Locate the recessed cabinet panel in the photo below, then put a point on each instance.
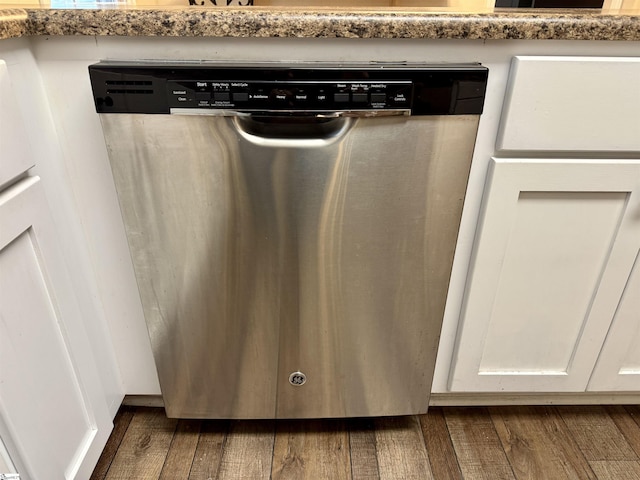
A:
(553, 253)
(572, 104)
(618, 367)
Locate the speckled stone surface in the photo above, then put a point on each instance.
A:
(13, 23)
(278, 22)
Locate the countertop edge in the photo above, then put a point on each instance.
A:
(319, 23)
(13, 23)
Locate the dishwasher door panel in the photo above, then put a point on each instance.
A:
(256, 260)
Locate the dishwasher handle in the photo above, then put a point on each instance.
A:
(292, 131)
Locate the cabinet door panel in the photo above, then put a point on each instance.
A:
(553, 252)
(49, 410)
(579, 104)
(550, 269)
(618, 367)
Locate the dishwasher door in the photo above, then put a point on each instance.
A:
(292, 227)
(256, 260)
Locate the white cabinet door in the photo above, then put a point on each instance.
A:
(618, 367)
(50, 400)
(554, 249)
(578, 104)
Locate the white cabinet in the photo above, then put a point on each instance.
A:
(551, 299)
(554, 251)
(54, 416)
(50, 398)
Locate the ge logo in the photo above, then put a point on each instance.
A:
(297, 379)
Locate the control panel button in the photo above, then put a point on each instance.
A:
(400, 99)
(378, 97)
(280, 95)
(240, 96)
(203, 96)
(360, 97)
(340, 97)
(221, 96)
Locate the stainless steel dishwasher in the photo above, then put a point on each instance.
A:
(292, 227)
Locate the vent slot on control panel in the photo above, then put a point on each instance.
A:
(111, 91)
(128, 83)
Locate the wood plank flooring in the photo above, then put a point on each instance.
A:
(448, 443)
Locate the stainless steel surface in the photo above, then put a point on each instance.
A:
(261, 255)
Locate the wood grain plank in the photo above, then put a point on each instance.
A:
(144, 447)
(596, 434)
(478, 448)
(362, 449)
(311, 450)
(617, 470)
(248, 451)
(182, 450)
(206, 460)
(442, 456)
(627, 425)
(120, 425)
(538, 444)
(634, 413)
(400, 449)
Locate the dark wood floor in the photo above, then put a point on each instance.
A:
(447, 443)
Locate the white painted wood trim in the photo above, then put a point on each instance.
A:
(14, 147)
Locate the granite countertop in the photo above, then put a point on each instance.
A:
(322, 22)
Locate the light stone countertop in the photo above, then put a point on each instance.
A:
(331, 22)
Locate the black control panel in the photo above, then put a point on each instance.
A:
(156, 88)
(280, 95)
